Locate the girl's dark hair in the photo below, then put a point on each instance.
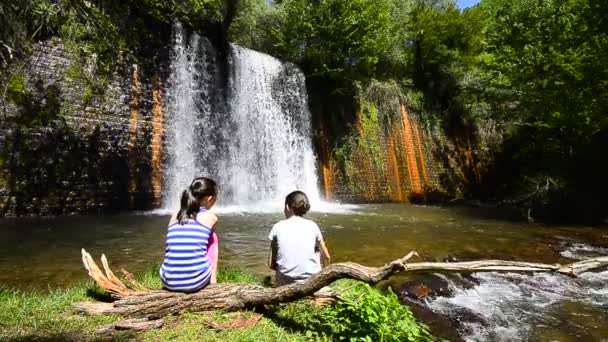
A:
(297, 201)
(191, 196)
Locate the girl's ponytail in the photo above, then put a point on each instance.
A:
(191, 196)
(188, 205)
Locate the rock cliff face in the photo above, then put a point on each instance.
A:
(72, 143)
(388, 154)
(410, 163)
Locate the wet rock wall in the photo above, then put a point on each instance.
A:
(405, 160)
(74, 142)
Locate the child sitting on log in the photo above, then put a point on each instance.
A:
(297, 246)
(191, 255)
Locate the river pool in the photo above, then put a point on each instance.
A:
(41, 253)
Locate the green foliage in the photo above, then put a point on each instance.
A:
(542, 74)
(233, 274)
(387, 97)
(16, 91)
(553, 57)
(343, 157)
(334, 39)
(22, 20)
(370, 138)
(189, 11)
(441, 39)
(88, 95)
(364, 314)
(253, 24)
(102, 31)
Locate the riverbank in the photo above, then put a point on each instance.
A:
(37, 316)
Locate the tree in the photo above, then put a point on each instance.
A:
(441, 38)
(334, 37)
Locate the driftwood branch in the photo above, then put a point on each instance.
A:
(138, 302)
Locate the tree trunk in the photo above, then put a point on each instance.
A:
(155, 304)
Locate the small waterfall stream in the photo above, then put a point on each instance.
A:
(529, 307)
(253, 138)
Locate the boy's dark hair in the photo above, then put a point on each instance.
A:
(297, 201)
(199, 188)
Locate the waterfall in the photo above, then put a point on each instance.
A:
(253, 138)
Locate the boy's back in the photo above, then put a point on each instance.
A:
(297, 248)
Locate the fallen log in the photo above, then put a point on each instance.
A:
(138, 302)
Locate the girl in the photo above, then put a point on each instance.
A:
(191, 255)
(296, 243)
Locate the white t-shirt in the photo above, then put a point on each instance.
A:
(297, 252)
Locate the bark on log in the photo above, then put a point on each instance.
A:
(154, 304)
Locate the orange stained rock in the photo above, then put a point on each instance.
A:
(366, 164)
(417, 135)
(397, 194)
(157, 141)
(360, 124)
(325, 163)
(410, 152)
(422, 291)
(133, 126)
(365, 177)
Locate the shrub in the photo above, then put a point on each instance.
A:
(363, 314)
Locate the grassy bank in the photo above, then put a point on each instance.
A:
(365, 315)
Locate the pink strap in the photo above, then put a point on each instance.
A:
(213, 253)
(213, 248)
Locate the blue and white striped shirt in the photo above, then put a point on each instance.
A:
(186, 266)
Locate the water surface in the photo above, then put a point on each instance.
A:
(39, 253)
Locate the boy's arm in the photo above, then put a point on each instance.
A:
(325, 258)
(272, 260)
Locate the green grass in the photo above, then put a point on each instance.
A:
(192, 327)
(37, 315)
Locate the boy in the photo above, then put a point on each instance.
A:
(296, 243)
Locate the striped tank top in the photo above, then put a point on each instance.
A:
(186, 266)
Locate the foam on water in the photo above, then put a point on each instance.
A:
(512, 305)
(580, 251)
(275, 207)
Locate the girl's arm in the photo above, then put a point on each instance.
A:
(210, 220)
(325, 258)
(213, 253)
(173, 219)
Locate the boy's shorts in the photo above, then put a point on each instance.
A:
(281, 279)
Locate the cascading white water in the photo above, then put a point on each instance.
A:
(272, 152)
(517, 307)
(192, 102)
(253, 138)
